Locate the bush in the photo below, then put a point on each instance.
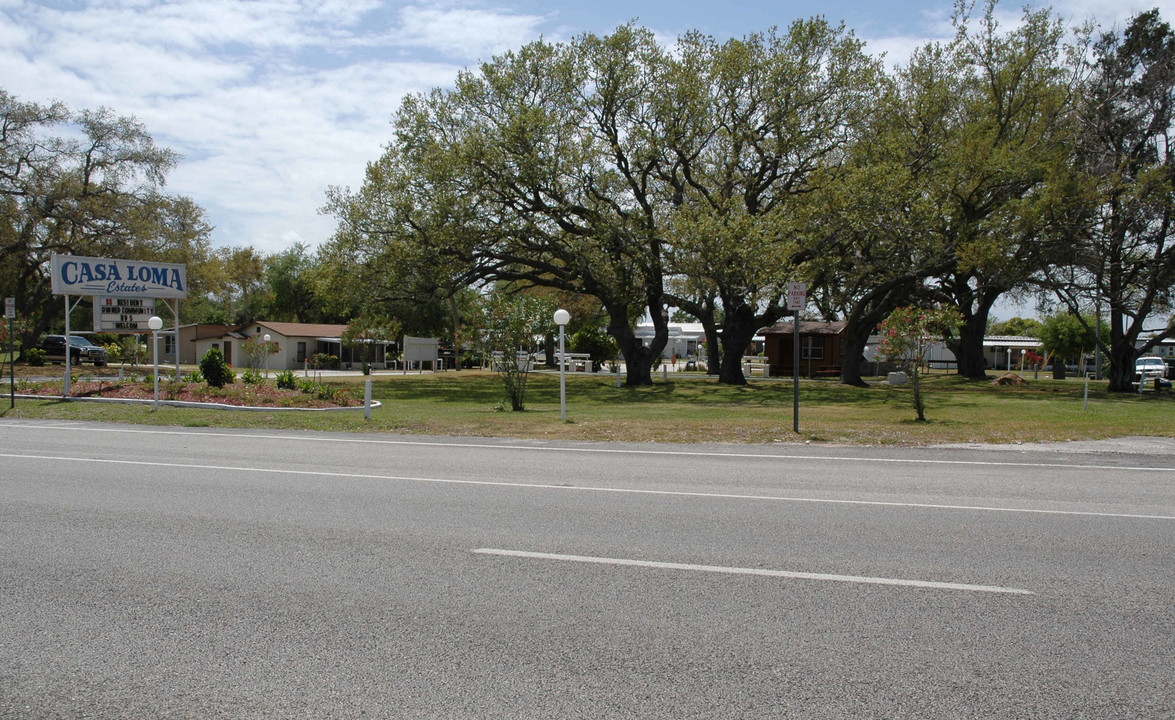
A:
(324, 361)
(215, 370)
(599, 345)
(35, 356)
(252, 377)
(286, 380)
(194, 377)
(307, 387)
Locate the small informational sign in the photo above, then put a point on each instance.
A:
(797, 296)
(122, 314)
(10, 308)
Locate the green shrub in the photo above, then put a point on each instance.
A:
(325, 361)
(194, 377)
(35, 356)
(252, 377)
(308, 387)
(215, 370)
(286, 380)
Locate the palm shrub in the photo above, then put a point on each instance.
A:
(286, 380)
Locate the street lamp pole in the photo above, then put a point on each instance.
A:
(155, 323)
(562, 317)
(266, 339)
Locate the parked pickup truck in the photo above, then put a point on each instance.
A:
(80, 350)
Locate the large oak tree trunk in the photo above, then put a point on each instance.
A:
(638, 359)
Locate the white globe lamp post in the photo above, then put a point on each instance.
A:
(266, 339)
(155, 324)
(562, 317)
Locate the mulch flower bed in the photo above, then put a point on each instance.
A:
(238, 394)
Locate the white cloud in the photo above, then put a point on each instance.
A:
(464, 32)
(269, 102)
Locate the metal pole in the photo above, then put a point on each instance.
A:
(1097, 340)
(562, 379)
(795, 373)
(367, 399)
(155, 353)
(11, 366)
(175, 340)
(68, 355)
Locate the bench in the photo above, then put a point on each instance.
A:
(575, 362)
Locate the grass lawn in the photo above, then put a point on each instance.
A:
(691, 409)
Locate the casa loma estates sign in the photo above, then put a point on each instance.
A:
(77, 275)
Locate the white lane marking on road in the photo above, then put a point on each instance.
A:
(599, 450)
(595, 489)
(864, 580)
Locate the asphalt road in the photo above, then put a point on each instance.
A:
(199, 573)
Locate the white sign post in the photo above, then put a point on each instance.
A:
(797, 299)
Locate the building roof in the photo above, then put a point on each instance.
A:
(1011, 341)
(807, 327)
(203, 331)
(289, 329)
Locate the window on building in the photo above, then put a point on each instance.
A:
(169, 345)
(812, 347)
(301, 352)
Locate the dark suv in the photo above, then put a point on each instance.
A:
(80, 350)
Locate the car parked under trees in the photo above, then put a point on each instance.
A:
(80, 350)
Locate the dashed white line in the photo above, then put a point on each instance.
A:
(857, 579)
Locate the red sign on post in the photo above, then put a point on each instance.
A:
(797, 296)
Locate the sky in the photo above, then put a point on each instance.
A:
(270, 102)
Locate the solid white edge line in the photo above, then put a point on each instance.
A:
(857, 579)
(602, 450)
(590, 488)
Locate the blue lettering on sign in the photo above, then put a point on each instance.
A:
(74, 274)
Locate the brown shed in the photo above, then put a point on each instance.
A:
(821, 348)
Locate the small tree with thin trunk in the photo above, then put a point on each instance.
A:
(510, 327)
(906, 335)
(257, 349)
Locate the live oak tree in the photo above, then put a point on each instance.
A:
(1119, 249)
(86, 183)
(865, 242)
(755, 127)
(541, 168)
(1003, 137)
